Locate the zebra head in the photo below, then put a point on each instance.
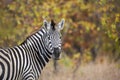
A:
(53, 37)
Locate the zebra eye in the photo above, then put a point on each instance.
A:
(60, 36)
(49, 37)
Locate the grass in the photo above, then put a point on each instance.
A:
(91, 71)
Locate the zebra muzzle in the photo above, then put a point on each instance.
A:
(56, 53)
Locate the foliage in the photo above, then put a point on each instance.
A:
(91, 26)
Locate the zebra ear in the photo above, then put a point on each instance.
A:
(46, 24)
(61, 24)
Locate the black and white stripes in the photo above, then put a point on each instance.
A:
(25, 61)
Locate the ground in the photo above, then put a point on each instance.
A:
(91, 71)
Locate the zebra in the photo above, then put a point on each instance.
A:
(26, 60)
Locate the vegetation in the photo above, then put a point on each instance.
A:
(92, 27)
(98, 71)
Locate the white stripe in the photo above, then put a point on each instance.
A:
(6, 68)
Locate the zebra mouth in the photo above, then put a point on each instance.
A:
(56, 53)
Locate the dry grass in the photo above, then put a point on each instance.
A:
(98, 71)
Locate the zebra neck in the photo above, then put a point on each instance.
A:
(39, 52)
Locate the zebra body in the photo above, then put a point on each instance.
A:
(25, 61)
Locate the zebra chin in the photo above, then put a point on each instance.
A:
(56, 53)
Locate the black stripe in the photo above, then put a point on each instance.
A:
(19, 60)
(26, 76)
(23, 58)
(8, 66)
(3, 70)
(14, 55)
(27, 60)
(13, 65)
(46, 59)
(5, 53)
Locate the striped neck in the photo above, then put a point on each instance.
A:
(40, 53)
(37, 44)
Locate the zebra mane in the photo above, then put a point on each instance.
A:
(24, 40)
(32, 33)
(52, 25)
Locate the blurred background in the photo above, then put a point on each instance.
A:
(91, 35)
